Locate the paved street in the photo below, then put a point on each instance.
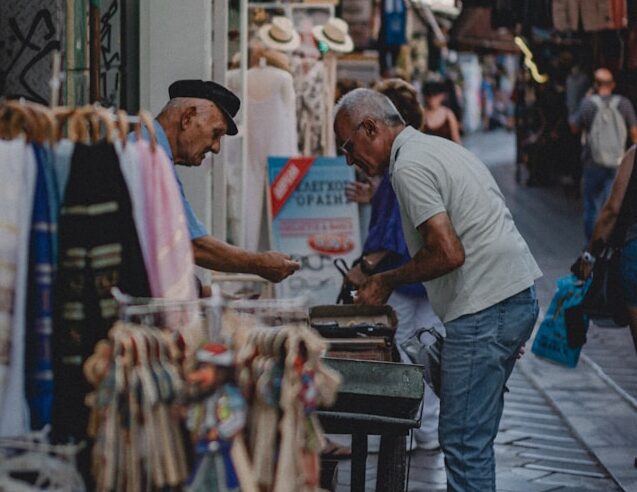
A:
(562, 429)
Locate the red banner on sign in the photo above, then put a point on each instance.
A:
(287, 180)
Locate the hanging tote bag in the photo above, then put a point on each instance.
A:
(604, 301)
(552, 338)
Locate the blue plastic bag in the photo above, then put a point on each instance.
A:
(551, 338)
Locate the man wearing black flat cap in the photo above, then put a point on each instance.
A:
(191, 124)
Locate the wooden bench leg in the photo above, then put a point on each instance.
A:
(359, 462)
(391, 464)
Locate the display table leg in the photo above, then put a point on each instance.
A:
(391, 464)
(359, 462)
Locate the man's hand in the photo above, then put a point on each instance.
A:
(356, 277)
(276, 267)
(582, 269)
(359, 192)
(521, 352)
(373, 292)
(218, 255)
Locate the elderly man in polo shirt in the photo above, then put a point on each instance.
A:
(477, 268)
(192, 123)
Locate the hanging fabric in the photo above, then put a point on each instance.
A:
(310, 85)
(99, 249)
(39, 369)
(392, 33)
(618, 14)
(17, 182)
(594, 15)
(170, 259)
(271, 99)
(631, 12)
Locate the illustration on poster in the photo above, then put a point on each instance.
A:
(331, 244)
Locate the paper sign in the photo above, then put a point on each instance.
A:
(314, 223)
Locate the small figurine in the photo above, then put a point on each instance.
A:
(217, 424)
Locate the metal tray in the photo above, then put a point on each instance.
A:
(387, 389)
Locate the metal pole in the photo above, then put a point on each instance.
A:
(94, 52)
(219, 71)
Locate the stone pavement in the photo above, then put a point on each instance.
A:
(562, 429)
(535, 452)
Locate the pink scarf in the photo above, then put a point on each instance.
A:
(169, 262)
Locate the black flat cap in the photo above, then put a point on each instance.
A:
(225, 99)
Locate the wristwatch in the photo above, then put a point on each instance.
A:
(588, 258)
(366, 266)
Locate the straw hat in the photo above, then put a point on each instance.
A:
(280, 34)
(335, 34)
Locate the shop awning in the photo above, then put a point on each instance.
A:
(472, 32)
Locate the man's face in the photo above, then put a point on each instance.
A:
(364, 144)
(604, 81)
(202, 127)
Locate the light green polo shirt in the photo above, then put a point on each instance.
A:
(431, 175)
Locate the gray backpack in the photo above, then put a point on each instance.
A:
(607, 136)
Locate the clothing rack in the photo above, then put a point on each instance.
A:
(130, 307)
(84, 123)
(277, 310)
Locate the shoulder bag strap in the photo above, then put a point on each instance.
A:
(618, 235)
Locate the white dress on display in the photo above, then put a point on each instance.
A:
(271, 131)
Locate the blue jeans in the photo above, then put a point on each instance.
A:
(478, 355)
(598, 181)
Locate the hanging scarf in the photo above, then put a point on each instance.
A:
(170, 260)
(99, 249)
(39, 369)
(17, 179)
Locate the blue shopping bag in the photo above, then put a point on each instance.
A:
(551, 341)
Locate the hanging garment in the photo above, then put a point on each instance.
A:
(129, 164)
(271, 131)
(330, 60)
(618, 14)
(392, 33)
(532, 13)
(39, 368)
(17, 181)
(506, 13)
(314, 104)
(631, 44)
(99, 249)
(62, 156)
(595, 14)
(632, 13)
(56, 167)
(393, 25)
(170, 260)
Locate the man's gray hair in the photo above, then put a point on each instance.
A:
(366, 103)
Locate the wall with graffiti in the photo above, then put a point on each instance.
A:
(111, 52)
(29, 33)
(31, 30)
